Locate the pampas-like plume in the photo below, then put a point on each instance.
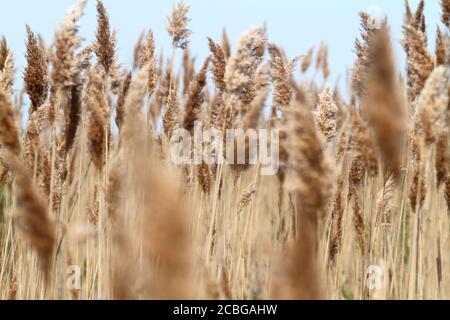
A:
(313, 187)
(307, 60)
(419, 60)
(432, 105)
(242, 66)
(32, 217)
(281, 74)
(120, 111)
(105, 44)
(65, 67)
(384, 204)
(177, 26)
(7, 75)
(98, 121)
(362, 64)
(219, 63)
(441, 51)
(362, 143)
(445, 4)
(36, 72)
(9, 130)
(442, 158)
(322, 60)
(171, 114)
(383, 102)
(4, 52)
(195, 98)
(327, 113)
(148, 59)
(336, 220)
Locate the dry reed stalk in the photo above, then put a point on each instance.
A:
(36, 72)
(177, 26)
(384, 104)
(105, 44)
(32, 218)
(355, 180)
(9, 130)
(313, 185)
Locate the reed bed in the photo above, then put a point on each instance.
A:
(94, 208)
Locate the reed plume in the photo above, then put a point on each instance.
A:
(195, 98)
(432, 105)
(36, 72)
(7, 74)
(9, 129)
(219, 62)
(120, 111)
(327, 113)
(383, 103)
(65, 67)
(148, 59)
(177, 26)
(419, 61)
(105, 44)
(97, 106)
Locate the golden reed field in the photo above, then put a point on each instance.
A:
(94, 207)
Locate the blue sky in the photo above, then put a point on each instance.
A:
(295, 25)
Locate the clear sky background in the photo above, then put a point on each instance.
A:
(295, 25)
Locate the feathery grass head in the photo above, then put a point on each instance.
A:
(65, 67)
(241, 67)
(148, 59)
(9, 130)
(219, 62)
(105, 43)
(445, 4)
(327, 114)
(281, 74)
(383, 102)
(420, 62)
(432, 105)
(195, 98)
(7, 75)
(36, 71)
(4, 52)
(177, 26)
